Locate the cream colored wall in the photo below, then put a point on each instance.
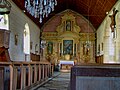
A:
(111, 47)
(117, 41)
(17, 25)
(100, 38)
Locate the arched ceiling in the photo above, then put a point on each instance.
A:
(94, 10)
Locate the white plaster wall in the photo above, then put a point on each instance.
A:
(100, 36)
(17, 25)
(118, 33)
(112, 45)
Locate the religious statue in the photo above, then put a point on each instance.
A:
(68, 25)
(113, 22)
(50, 48)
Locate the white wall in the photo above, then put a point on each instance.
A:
(17, 25)
(111, 50)
(100, 36)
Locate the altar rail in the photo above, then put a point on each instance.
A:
(95, 77)
(23, 75)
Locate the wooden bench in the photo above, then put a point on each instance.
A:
(95, 77)
(23, 75)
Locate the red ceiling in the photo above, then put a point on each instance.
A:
(94, 10)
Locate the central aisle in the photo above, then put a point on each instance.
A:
(60, 82)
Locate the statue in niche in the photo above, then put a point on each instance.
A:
(50, 48)
(68, 25)
(86, 52)
(87, 49)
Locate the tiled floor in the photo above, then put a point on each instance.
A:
(60, 82)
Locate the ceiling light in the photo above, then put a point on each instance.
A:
(107, 13)
(40, 8)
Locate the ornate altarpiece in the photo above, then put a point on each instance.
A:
(68, 35)
(68, 42)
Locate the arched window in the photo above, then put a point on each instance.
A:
(26, 39)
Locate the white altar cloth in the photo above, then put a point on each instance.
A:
(66, 62)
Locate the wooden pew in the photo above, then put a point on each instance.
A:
(95, 77)
(23, 75)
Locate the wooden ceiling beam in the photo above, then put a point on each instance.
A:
(95, 10)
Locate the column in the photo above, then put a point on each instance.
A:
(106, 41)
(117, 48)
(92, 55)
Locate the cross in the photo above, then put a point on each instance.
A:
(113, 22)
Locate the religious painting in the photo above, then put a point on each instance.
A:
(50, 48)
(31, 44)
(68, 25)
(102, 46)
(68, 47)
(4, 22)
(16, 39)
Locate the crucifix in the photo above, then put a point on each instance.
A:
(113, 21)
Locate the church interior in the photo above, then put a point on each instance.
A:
(39, 37)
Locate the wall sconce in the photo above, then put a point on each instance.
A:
(5, 7)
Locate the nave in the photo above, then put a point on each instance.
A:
(84, 34)
(60, 81)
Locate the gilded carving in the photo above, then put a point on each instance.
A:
(86, 36)
(77, 49)
(68, 24)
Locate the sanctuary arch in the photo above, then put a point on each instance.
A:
(68, 44)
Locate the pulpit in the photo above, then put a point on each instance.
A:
(4, 45)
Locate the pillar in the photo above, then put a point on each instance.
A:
(107, 41)
(117, 48)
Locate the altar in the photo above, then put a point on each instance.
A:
(65, 64)
(71, 45)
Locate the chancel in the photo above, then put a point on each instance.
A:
(59, 44)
